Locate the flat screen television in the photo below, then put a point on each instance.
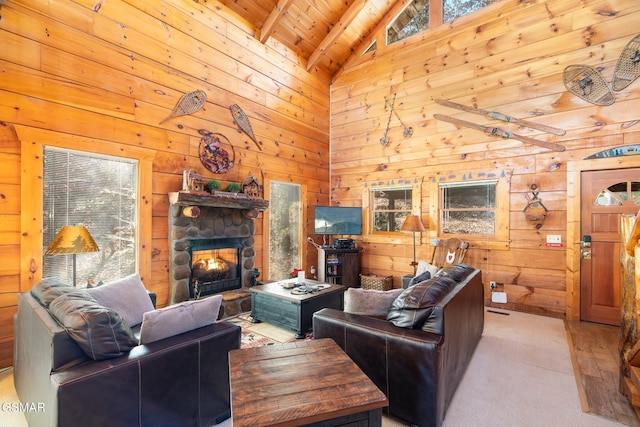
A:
(337, 220)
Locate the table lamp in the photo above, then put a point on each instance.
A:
(413, 224)
(72, 240)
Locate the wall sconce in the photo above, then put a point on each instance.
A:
(413, 224)
(72, 240)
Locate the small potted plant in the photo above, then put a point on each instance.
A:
(212, 186)
(234, 187)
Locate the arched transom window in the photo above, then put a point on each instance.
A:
(621, 193)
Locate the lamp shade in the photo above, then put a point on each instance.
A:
(72, 239)
(412, 223)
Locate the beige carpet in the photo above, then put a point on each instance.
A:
(520, 375)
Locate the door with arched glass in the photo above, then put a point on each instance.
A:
(606, 196)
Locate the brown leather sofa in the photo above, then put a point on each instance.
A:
(181, 380)
(417, 368)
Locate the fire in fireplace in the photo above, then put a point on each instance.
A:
(215, 268)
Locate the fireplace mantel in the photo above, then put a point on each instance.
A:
(220, 200)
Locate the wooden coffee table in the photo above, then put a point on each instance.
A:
(272, 303)
(301, 383)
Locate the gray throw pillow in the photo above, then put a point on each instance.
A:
(179, 318)
(99, 331)
(369, 302)
(126, 296)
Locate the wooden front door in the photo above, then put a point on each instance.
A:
(606, 195)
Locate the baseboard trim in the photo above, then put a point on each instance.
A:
(584, 403)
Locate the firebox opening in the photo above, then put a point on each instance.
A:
(215, 268)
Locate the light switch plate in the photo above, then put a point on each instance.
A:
(554, 238)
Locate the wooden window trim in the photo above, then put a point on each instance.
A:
(500, 240)
(268, 178)
(32, 159)
(391, 237)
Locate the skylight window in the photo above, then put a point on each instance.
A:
(371, 48)
(452, 9)
(413, 20)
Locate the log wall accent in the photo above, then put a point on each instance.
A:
(88, 73)
(508, 57)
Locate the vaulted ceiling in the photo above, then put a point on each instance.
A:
(325, 33)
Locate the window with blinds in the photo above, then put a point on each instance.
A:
(99, 192)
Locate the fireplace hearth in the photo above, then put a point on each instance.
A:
(211, 252)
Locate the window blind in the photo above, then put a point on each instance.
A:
(96, 191)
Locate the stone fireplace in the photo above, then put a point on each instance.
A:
(211, 244)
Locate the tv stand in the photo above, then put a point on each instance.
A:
(339, 266)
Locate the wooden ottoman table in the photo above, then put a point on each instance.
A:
(303, 383)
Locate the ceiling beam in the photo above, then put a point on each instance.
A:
(281, 9)
(379, 30)
(345, 20)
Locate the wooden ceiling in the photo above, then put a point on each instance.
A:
(323, 32)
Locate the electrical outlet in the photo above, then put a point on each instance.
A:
(554, 238)
(493, 284)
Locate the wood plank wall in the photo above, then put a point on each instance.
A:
(108, 72)
(508, 57)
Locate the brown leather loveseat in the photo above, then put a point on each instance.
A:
(182, 379)
(419, 365)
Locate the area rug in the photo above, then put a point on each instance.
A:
(259, 334)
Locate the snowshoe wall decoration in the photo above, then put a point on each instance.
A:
(588, 83)
(628, 66)
(189, 103)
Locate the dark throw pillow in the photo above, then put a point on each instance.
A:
(99, 331)
(456, 271)
(415, 304)
(48, 289)
(420, 278)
